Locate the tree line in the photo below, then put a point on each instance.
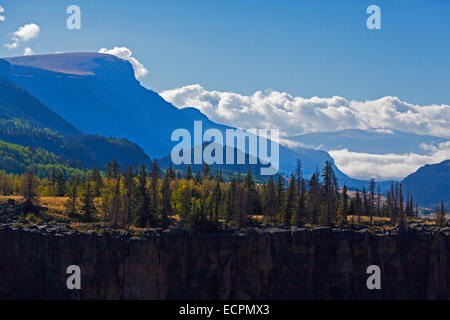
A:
(203, 201)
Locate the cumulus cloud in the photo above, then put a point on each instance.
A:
(2, 11)
(388, 166)
(28, 51)
(23, 34)
(296, 115)
(126, 54)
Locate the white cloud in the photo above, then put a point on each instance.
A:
(28, 51)
(12, 45)
(388, 166)
(2, 17)
(23, 34)
(126, 54)
(296, 115)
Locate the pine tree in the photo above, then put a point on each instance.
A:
(314, 198)
(269, 206)
(250, 195)
(216, 202)
(343, 207)
(239, 217)
(166, 206)
(116, 211)
(299, 219)
(206, 171)
(358, 205)
(299, 177)
(60, 184)
(129, 190)
(401, 213)
(279, 193)
(366, 206)
(289, 205)
(154, 201)
(330, 190)
(189, 173)
(143, 199)
(198, 177)
(378, 202)
(440, 217)
(88, 208)
(96, 178)
(372, 187)
(71, 205)
(170, 172)
(29, 184)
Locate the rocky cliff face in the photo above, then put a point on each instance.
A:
(320, 263)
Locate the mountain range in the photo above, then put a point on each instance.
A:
(88, 108)
(368, 141)
(99, 94)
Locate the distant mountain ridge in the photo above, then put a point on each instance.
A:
(430, 184)
(368, 141)
(99, 94)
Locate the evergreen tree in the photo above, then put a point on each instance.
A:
(269, 206)
(299, 177)
(279, 192)
(371, 210)
(330, 194)
(166, 206)
(314, 198)
(71, 205)
(129, 190)
(143, 200)
(343, 208)
(60, 184)
(198, 177)
(440, 216)
(289, 205)
(170, 172)
(216, 202)
(116, 212)
(154, 205)
(96, 178)
(28, 187)
(300, 216)
(358, 205)
(88, 208)
(189, 173)
(206, 171)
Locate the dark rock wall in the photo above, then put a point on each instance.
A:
(321, 263)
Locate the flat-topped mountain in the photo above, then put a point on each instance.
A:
(98, 93)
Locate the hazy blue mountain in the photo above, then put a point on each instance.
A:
(16, 103)
(430, 184)
(98, 93)
(25, 121)
(368, 141)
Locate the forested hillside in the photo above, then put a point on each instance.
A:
(25, 121)
(430, 184)
(17, 159)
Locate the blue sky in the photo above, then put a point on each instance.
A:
(306, 48)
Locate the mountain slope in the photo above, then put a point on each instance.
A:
(16, 103)
(25, 121)
(430, 184)
(16, 159)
